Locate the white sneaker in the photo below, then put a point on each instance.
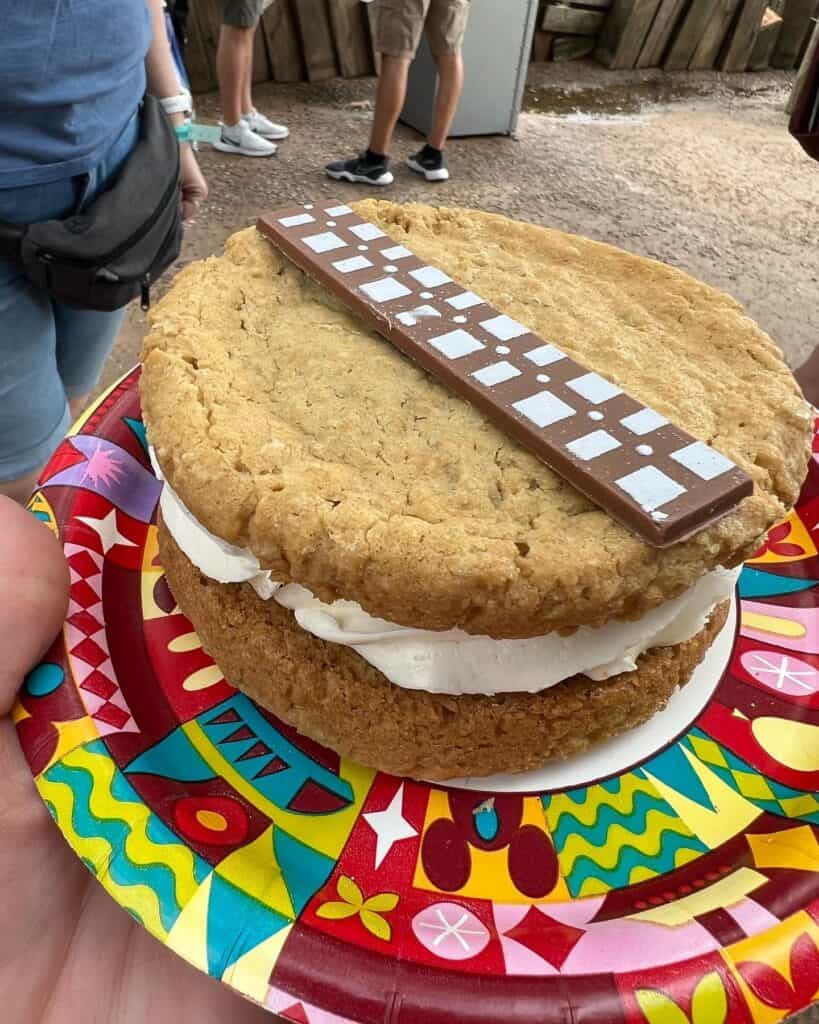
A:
(264, 126)
(241, 139)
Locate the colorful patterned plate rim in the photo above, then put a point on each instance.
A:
(683, 889)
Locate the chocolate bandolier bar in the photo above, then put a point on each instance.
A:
(657, 480)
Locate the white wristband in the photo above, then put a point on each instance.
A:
(182, 103)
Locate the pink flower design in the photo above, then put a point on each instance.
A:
(781, 672)
(102, 467)
(450, 931)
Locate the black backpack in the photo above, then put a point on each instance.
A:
(122, 241)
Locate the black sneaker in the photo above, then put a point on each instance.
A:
(362, 170)
(429, 162)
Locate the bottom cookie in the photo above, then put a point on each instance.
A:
(332, 695)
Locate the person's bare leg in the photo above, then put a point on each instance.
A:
(231, 69)
(450, 84)
(78, 405)
(247, 81)
(20, 490)
(389, 99)
(807, 377)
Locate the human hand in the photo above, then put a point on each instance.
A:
(68, 954)
(194, 186)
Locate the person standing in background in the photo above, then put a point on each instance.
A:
(245, 131)
(179, 11)
(399, 25)
(72, 77)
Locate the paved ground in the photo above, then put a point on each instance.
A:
(695, 169)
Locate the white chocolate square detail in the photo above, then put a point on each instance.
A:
(643, 422)
(353, 263)
(466, 300)
(386, 289)
(412, 316)
(366, 232)
(456, 344)
(592, 445)
(325, 242)
(504, 327)
(297, 220)
(650, 487)
(396, 252)
(544, 355)
(338, 211)
(702, 460)
(594, 388)
(430, 277)
(497, 373)
(543, 409)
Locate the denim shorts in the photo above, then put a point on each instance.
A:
(48, 351)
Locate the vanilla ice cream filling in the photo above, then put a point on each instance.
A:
(453, 662)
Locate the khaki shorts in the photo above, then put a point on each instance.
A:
(400, 23)
(243, 13)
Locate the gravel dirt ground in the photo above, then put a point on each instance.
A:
(695, 169)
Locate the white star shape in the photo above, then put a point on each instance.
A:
(781, 672)
(107, 531)
(454, 928)
(390, 826)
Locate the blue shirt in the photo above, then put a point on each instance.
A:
(72, 73)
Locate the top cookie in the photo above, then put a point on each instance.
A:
(287, 427)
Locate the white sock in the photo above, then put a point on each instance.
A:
(232, 131)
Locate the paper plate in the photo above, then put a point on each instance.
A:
(673, 879)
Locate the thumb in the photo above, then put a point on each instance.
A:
(33, 595)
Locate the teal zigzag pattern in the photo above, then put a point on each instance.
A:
(631, 859)
(137, 858)
(615, 833)
(607, 816)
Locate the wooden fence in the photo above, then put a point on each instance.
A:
(568, 29)
(299, 40)
(312, 40)
(730, 35)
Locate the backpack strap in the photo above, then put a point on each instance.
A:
(11, 237)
